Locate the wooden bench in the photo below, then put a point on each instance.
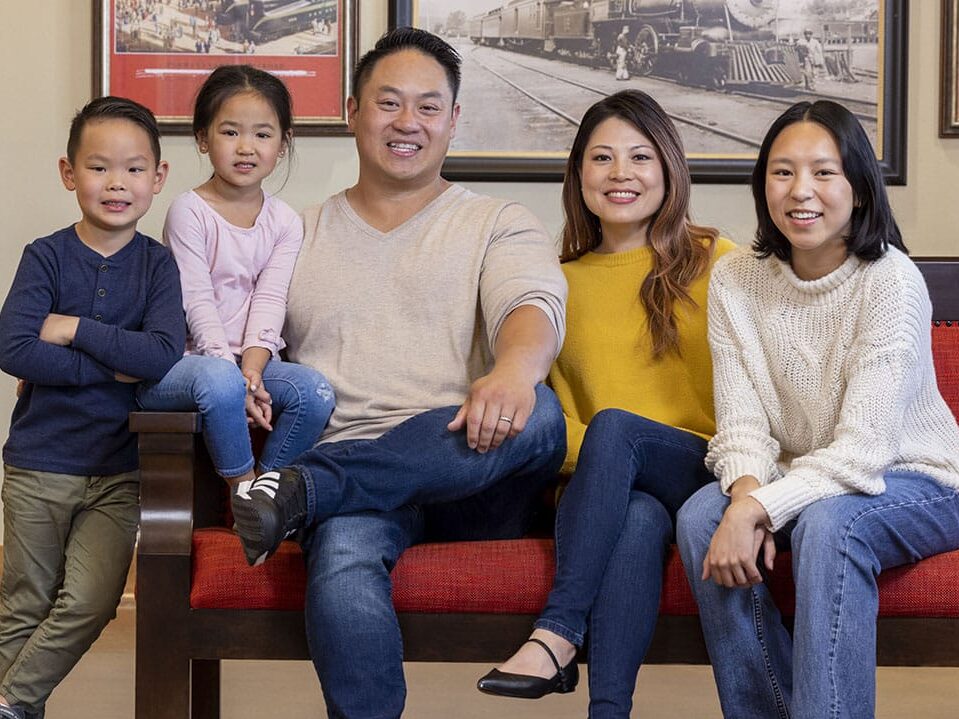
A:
(197, 601)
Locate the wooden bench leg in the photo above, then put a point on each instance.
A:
(163, 642)
(205, 680)
(162, 683)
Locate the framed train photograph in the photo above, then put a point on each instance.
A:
(949, 72)
(159, 52)
(722, 69)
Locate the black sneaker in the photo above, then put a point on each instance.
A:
(10, 712)
(266, 511)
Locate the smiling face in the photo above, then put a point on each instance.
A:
(115, 176)
(404, 119)
(809, 197)
(623, 183)
(244, 141)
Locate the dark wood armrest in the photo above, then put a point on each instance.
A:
(166, 422)
(168, 457)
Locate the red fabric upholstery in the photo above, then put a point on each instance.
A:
(223, 580)
(510, 577)
(500, 577)
(945, 355)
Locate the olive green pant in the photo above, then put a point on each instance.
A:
(67, 545)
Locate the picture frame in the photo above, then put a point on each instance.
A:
(722, 93)
(949, 70)
(161, 59)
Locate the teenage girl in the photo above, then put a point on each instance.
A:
(236, 246)
(637, 269)
(831, 437)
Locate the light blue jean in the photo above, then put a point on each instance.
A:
(827, 669)
(302, 404)
(418, 482)
(613, 530)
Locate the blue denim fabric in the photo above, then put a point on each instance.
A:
(425, 484)
(420, 462)
(613, 529)
(302, 404)
(827, 669)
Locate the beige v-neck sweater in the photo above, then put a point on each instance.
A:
(402, 322)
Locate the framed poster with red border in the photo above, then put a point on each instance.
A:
(159, 52)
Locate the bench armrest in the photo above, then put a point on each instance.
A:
(178, 489)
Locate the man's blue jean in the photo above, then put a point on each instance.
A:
(613, 530)
(827, 668)
(302, 404)
(371, 499)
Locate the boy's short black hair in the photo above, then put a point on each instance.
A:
(113, 108)
(410, 38)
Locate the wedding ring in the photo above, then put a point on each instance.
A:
(506, 419)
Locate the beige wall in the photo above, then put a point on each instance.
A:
(45, 50)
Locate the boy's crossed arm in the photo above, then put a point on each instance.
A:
(149, 352)
(60, 330)
(49, 348)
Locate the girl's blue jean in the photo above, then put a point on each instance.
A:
(614, 526)
(302, 404)
(827, 668)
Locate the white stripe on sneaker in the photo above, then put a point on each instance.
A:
(267, 482)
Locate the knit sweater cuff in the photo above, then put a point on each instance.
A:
(735, 466)
(784, 499)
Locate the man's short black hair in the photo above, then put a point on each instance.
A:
(410, 38)
(113, 108)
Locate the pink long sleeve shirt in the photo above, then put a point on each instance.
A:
(234, 279)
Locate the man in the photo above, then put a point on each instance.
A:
(436, 313)
(811, 59)
(622, 54)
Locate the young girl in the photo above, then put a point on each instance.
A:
(831, 432)
(236, 247)
(636, 338)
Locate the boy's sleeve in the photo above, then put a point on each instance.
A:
(22, 353)
(150, 352)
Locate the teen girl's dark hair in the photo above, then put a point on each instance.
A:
(229, 80)
(410, 38)
(681, 249)
(873, 227)
(113, 108)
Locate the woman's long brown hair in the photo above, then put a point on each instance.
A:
(681, 250)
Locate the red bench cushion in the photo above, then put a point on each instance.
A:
(510, 577)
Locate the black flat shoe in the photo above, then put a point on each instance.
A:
(524, 686)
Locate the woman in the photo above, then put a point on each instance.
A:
(831, 432)
(636, 338)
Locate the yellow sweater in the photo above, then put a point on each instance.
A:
(606, 360)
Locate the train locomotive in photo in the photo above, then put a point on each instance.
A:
(265, 20)
(704, 42)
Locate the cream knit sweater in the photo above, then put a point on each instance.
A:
(823, 386)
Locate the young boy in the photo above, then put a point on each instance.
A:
(94, 308)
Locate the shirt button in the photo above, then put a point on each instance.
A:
(103, 268)
(98, 317)
(101, 292)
